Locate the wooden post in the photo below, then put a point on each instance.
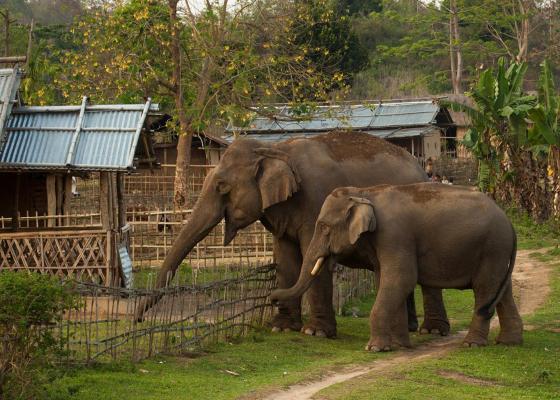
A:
(51, 200)
(121, 210)
(59, 199)
(67, 197)
(109, 208)
(15, 210)
(105, 204)
(110, 248)
(114, 200)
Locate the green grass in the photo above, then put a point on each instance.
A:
(527, 372)
(531, 235)
(186, 274)
(265, 361)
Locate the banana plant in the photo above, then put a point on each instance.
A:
(498, 119)
(545, 131)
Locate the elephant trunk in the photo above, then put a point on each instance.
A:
(207, 213)
(311, 267)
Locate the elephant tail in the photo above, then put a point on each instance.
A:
(487, 311)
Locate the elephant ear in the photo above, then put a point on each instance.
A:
(361, 218)
(276, 177)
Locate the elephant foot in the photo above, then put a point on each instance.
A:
(435, 327)
(474, 341)
(400, 341)
(509, 338)
(320, 329)
(285, 323)
(276, 329)
(378, 345)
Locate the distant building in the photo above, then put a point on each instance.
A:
(423, 127)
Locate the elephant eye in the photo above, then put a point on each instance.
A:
(223, 187)
(324, 228)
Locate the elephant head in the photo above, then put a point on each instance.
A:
(343, 219)
(251, 177)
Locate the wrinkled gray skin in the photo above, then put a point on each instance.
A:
(437, 235)
(284, 185)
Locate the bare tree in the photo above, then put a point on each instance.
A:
(455, 54)
(8, 21)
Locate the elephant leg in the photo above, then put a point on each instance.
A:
(435, 316)
(400, 330)
(511, 325)
(322, 321)
(388, 317)
(478, 329)
(288, 260)
(412, 319)
(480, 324)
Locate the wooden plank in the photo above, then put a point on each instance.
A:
(114, 200)
(59, 199)
(51, 199)
(105, 200)
(67, 198)
(15, 209)
(13, 59)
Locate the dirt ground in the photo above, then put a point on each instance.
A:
(531, 289)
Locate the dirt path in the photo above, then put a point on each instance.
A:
(530, 281)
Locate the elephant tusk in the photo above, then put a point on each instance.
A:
(317, 266)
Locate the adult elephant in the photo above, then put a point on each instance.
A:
(284, 185)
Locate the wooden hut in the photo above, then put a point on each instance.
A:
(422, 126)
(42, 150)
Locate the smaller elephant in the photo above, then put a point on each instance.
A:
(472, 245)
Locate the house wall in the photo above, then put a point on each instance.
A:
(32, 193)
(411, 144)
(432, 145)
(167, 154)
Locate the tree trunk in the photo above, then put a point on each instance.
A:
(523, 32)
(181, 171)
(6, 16)
(456, 57)
(185, 136)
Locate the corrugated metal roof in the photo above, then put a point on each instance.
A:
(272, 137)
(410, 132)
(362, 117)
(73, 137)
(405, 114)
(10, 79)
(392, 133)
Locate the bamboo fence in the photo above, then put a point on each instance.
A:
(187, 316)
(193, 311)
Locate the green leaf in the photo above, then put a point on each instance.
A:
(506, 111)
